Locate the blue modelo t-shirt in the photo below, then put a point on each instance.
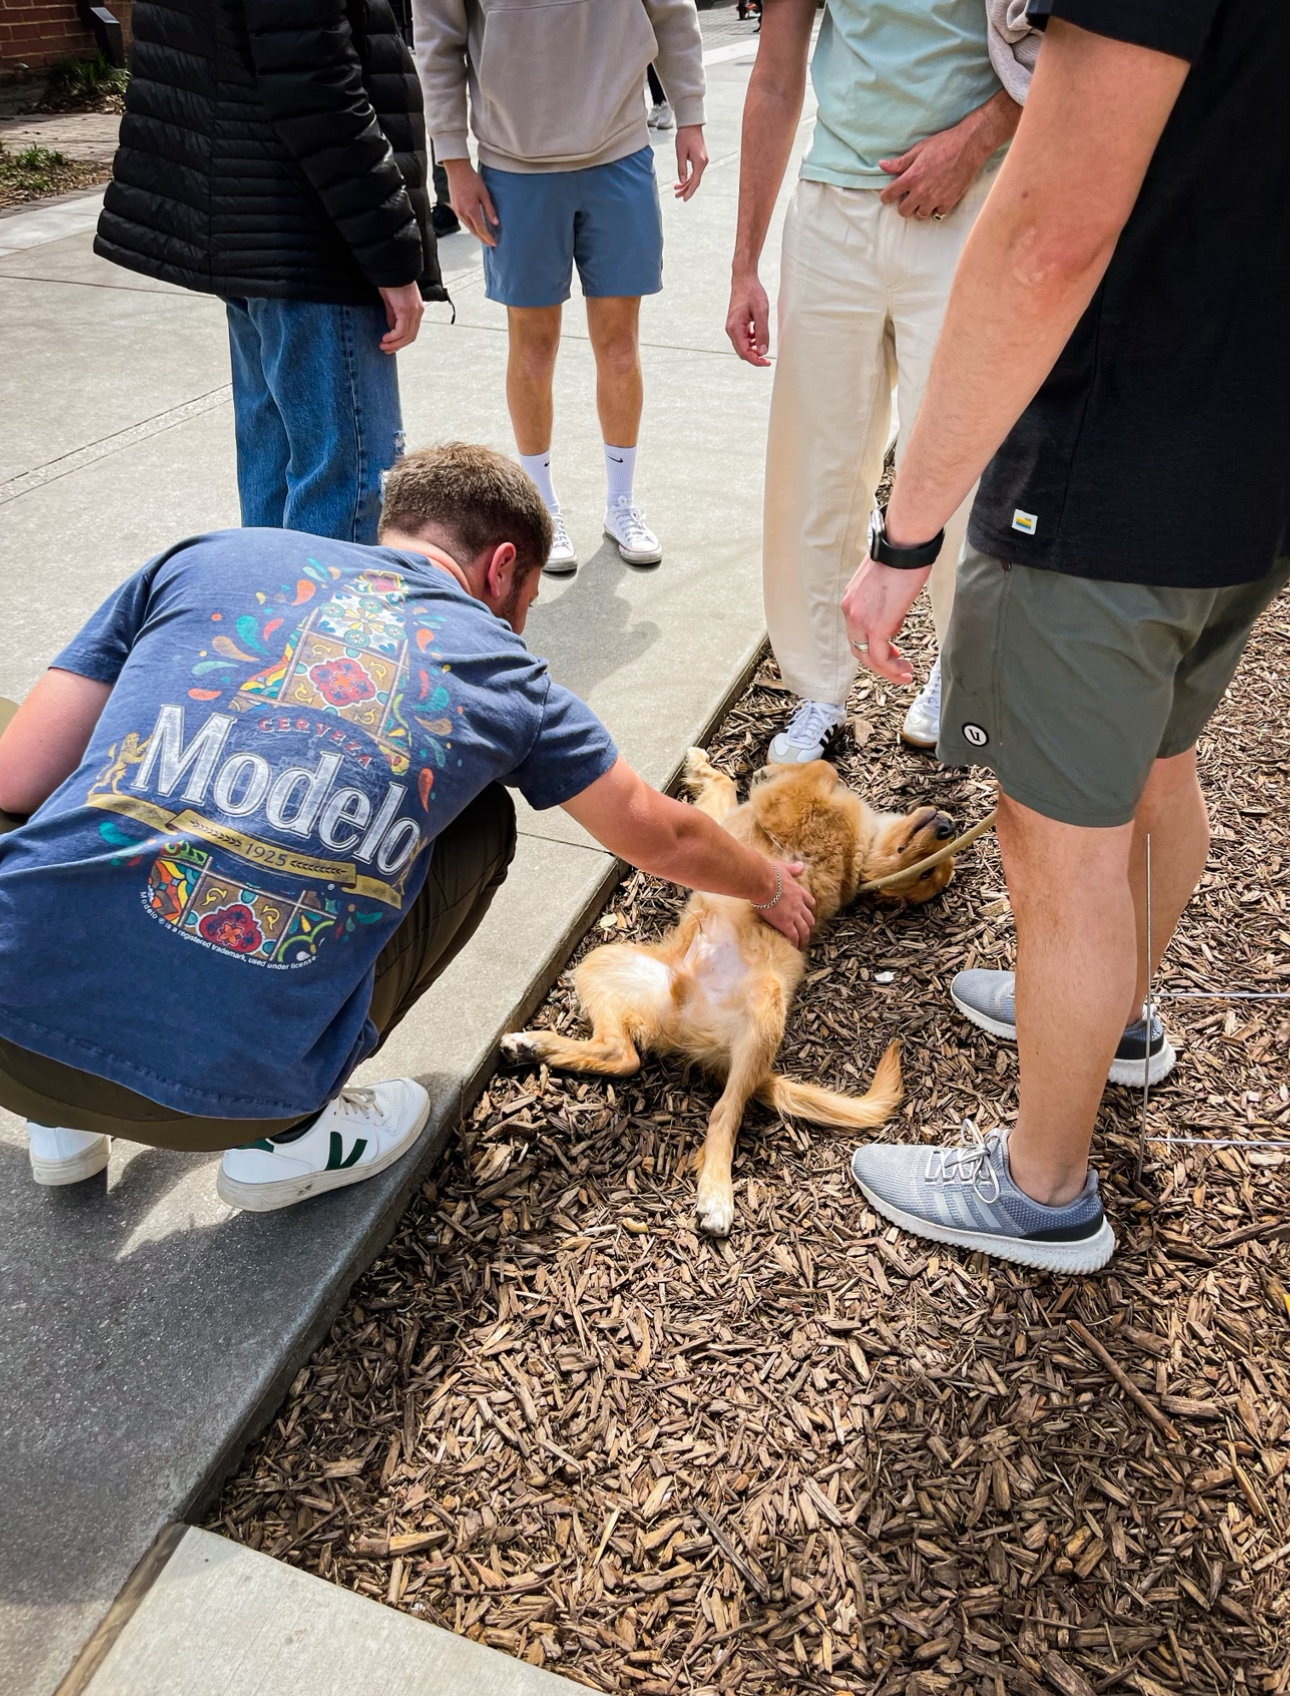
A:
(197, 911)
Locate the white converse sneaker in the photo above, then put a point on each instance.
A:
(60, 1156)
(661, 116)
(357, 1135)
(923, 720)
(807, 734)
(625, 524)
(563, 557)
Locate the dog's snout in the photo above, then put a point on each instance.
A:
(944, 828)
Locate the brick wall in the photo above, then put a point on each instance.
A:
(37, 32)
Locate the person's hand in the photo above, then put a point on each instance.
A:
(874, 606)
(748, 320)
(471, 201)
(793, 915)
(934, 175)
(403, 309)
(691, 159)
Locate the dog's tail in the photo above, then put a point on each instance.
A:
(826, 1107)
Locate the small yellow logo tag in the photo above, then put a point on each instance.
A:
(1024, 521)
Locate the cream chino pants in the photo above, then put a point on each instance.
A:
(862, 294)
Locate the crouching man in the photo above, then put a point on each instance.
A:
(265, 788)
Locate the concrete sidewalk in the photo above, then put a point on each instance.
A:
(145, 1329)
(218, 1619)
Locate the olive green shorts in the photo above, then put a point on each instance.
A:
(1069, 687)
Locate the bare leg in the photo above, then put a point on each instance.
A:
(1172, 808)
(534, 341)
(750, 1061)
(613, 325)
(1076, 960)
(1081, 972)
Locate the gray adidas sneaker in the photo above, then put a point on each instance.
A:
(989, 999)
(965, 1195)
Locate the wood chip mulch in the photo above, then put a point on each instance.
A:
(819, 1457)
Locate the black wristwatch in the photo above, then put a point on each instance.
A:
(902, 559)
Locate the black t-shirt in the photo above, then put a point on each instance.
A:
(1158, 448)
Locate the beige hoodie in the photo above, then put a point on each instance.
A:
(555, 85)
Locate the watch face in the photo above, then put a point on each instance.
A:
(875, 532)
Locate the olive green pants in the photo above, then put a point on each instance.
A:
(1070, 688)
(468, 866)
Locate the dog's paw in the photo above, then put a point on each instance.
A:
(519, 1048)
(714, 1203)
(698, 769)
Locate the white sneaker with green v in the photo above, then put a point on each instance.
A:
(358, 1134)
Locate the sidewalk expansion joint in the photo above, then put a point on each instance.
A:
(28, 481)
(167, 293)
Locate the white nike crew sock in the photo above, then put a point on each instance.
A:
(620, 470)
(538, 467)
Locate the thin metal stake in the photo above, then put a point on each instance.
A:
(1146, 1058)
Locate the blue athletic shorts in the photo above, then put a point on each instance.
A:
(606, 218)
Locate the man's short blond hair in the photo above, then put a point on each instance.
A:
(474, 498)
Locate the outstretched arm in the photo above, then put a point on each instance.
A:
(671, 840)
(1029, 268)
(47, 738)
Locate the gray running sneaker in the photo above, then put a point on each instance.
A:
(989, 1000)
(965, 1195)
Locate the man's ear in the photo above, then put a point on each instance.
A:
(499, 571)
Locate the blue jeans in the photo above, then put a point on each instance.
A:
(316, 410)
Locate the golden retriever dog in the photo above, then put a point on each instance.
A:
(716, 990)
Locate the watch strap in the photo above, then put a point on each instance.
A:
(887, 552)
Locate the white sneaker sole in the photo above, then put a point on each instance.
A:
(1088, 1255)
(799, 756)
(561, 567)
(1127, 1073)
(74, 1170)
(925, 745)
(286, 1192)
(635, 556)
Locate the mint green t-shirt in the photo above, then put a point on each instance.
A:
(886, 73)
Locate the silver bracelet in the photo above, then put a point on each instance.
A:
(764, 906)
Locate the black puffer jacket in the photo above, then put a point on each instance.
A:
(272, 148)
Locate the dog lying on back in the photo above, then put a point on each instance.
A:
(718, 987)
